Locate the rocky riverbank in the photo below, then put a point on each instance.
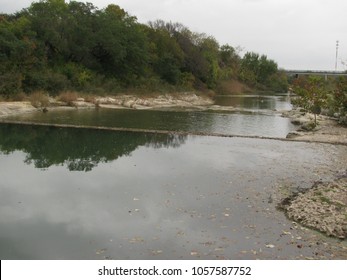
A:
(12, 108)
(183, 100)
(327, 130)
(323, 207)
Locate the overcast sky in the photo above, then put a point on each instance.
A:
(297, 34)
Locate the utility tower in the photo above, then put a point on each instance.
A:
(337, 51)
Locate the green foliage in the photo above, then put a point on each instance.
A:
(229, 62)
(56, 45)
(17, 54)
(316, 94)
(258, 70)
(340, 95)
(278, 82)
(312, 94)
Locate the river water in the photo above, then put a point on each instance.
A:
(251, 115)
(85, 194)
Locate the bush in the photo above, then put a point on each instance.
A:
(46, 81)
(68, 97)
(39, 99)
(10, 84)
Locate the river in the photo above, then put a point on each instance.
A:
(253, 115)
(70, 193)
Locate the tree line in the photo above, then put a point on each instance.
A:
(56, 46)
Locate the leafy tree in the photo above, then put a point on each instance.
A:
(340, 94)
(166, 55)
(229, 61)
(311, 93)
(257, 70)
(56, 45)
(266, 68)
(18, 53)
(209, 49)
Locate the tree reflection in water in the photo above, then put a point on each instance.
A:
(77, 149)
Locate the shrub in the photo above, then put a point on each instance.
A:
(90, 98)
(46, 81)
(10, 83)
(39, 99)
(68, 97)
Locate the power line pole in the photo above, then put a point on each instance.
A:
(337, 50)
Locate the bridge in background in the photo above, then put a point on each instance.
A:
(325, 74)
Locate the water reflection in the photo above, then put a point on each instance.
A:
(77, 149)
(206, 199)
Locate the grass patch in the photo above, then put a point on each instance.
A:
(325, 199)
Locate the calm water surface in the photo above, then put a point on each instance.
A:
(257, 102)
(87, 194)
(259, 117)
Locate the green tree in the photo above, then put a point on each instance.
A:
(209, 49)
(166, 56)
(311, 94)
(257, 70)
(18, 53)
(266, 68)
(229, 62)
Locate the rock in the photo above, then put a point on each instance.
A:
(83, 104)
(296, 121)
(128, 103)
(12, 108)
(294, 134)
(308, 126)
(323, 207)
